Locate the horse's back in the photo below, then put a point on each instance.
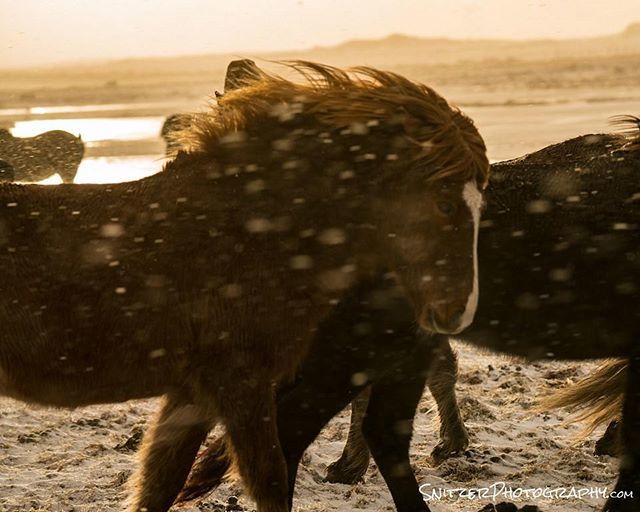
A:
(559, 261)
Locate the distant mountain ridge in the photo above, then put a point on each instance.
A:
(399, 50)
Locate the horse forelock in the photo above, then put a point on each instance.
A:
(441, 137)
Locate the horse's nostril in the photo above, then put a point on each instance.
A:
(441, 319)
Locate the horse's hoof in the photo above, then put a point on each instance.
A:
(609, 443)
(341, 472)
(500, 507)
(445, 450)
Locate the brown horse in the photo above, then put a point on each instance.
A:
(37, 158)
(205, 283)
(609, 165)
(442, 376)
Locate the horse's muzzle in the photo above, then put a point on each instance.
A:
(442, 320)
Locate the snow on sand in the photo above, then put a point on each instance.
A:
(54, 460)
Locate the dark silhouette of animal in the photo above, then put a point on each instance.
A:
(559, 278)
(6, 171)
(206, 282)
(37, 158)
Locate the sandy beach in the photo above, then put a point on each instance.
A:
(78, 461)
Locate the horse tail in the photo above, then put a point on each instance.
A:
(597, 398)
(214, 466)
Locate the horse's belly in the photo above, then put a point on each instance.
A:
(543, 296)
(580, 326)
(63, 360)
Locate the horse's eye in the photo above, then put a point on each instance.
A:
(446, 208)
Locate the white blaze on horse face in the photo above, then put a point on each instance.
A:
(473, 198)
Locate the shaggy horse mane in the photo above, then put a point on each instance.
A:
(630, 126)
(441, 137)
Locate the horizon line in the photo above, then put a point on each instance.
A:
(259, 53)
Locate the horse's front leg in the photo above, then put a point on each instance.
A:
(167, 454)
(387, 427)
(354, 461)
(250, 417)
(629, 478)
(443, 374)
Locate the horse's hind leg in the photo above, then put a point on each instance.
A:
(250, 417)
(168, 451)
(354, 461)
(629, 478)
(443, 374)
(307, 407)
(387, 427)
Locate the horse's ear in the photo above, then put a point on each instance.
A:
(218, 94)
(241, 73)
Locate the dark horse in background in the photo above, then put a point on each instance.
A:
(205, 283)
(37, 158)
(559, 278)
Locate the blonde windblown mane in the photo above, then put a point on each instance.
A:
(440, 136)
(630, 126)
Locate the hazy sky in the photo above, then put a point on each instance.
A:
(50, 31)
